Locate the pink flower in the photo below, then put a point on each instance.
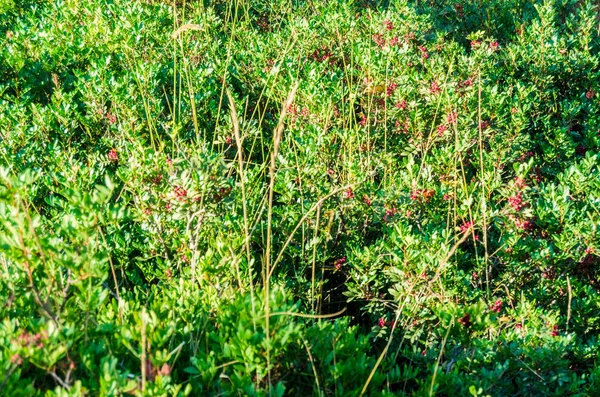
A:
(452, 118)
(466, 226)
(590, 94)
(391, 89)
(435, 88)
(338, 263)
(180, 192)
(363, 121)
(349, 194)
(403, 127)
(389, 25)
(16, 359)
(381, 322)
(336, 111)
(111, 118)
(415, 194)
(113, 156)
(441, 129)
(389, 213)
(494, 46)
(554, 331)
(366, 200)
(524, 224)
(517, 202)
(520, 183)
(497, 306)
(292, 108)
(400, 105)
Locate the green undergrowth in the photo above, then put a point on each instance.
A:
(338, 198)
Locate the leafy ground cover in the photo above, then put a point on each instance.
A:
(334, 198)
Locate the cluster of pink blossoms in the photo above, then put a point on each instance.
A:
(497, 306)
(113, 156)
(452, 118)
(389, 214)
(466, 226)
(349, 194)
(401, 105)
(391, 89)
(516, 202)
(339, 262)
(180, 193)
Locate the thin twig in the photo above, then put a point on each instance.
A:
(59, 380)
(143, 358)
(315, 316)
(312, 362)
(437, 363)
(570, 299)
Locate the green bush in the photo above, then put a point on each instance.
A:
(299, 198)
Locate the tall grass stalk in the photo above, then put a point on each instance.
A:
(242, 175)
(277, 136)
(483, 188)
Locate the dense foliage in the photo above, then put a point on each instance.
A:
(269, 197)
